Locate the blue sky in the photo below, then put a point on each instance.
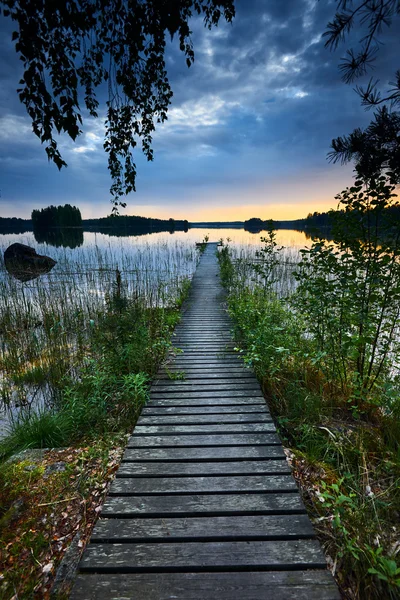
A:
(247, 134)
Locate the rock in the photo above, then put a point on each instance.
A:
(13, 513)
(67, 570)
(31, 454)
(57, 467)
(23, 262)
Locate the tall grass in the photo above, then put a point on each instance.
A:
(100, 318)
(347, 461)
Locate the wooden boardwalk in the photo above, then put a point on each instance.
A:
(204, 506)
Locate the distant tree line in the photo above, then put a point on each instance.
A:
(56, 216)
(15, 225)
(50, 225)
(315, 222)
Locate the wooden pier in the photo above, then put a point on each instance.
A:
(204, 505)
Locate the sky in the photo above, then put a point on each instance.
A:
(248, 129)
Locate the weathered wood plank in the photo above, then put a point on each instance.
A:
(208, 398)
(206, 375)
(186, 429)
(216, 419)
(204, 386)
(124, 486)
(205, 453)
(202, 346)
(220, 439)
(207, 368)
(203, 556)
(168, 529)
(210, 354)
(213, 396)
(202, 365)
(241, 409)
(246, 585)
(208, 505)
(202, 469)
(214, 332)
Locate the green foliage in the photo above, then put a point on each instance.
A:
(386, 569)
(43, 429)
(267, 257)
(349, 468)
(203, 245)
(225, 266)
(176, 375)
(106, 392)
(349, 292)
(270, 335)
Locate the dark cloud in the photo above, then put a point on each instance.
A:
(261, 104)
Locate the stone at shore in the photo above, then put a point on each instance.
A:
(25, 264)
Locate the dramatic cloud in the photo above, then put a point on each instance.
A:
(248, 129)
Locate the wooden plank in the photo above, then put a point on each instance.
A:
(210, 428)
(187, 375)
(125, 486)
(220, 439)
(241, 409)
(282, 554)
(215, 331)
(203, 404)
(206, 383)
(221, 398)
(212, 394)
(205, 347)
(208, 357)
(204, 392)
(169, 529)
(208, 505)
(206, 453)
(218, 358)
(246, 585)
(206, 353)
(176, 419)
(207, 368)
(195, 340)
(180, 364)
(202, 469)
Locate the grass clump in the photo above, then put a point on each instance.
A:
(106, 392)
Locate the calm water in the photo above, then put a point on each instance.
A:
(144, 259)
(152, 265)
(285, 237)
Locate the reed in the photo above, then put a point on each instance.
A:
(100, 305)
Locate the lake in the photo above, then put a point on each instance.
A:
(72, 295)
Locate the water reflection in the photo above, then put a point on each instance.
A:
(67, 237)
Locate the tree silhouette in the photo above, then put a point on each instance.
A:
(56, 216)
(377, 148)
(69, 47)
(372, 16)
